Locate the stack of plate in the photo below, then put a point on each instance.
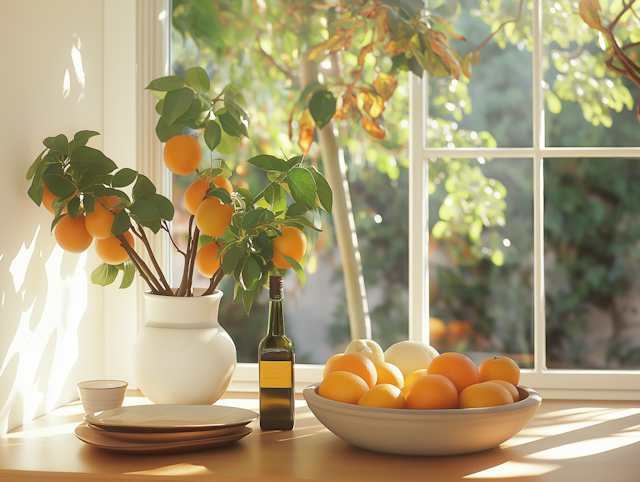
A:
(163, 429)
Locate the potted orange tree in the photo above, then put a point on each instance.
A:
(183, 355)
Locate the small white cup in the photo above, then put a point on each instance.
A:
(98, 395)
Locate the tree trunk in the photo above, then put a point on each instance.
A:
(335, 171)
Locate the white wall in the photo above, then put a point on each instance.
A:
(51, 316)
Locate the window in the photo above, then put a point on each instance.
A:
(524, 160)
(560, 295)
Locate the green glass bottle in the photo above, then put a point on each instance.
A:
(276, 358)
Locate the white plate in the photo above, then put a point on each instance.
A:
(96, 439)
(170, 418)
(164, 437)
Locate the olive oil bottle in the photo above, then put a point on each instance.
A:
(276, 358)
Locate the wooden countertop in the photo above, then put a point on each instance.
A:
(566, 441)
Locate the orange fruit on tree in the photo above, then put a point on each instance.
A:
(358, 365)
(457, 367)
(197, 190)
(513, 391)
(390, 374)
(111, 251)
(213, 216)
(500, 368)
(343, 387)
(411, 378)
(383, 395)
(329, 362)
(292, 243)
(484, 394)
(72, 235)
(47, 200)
(223, 183)
(431, 392)
(100, 221)
(182, 154)
(206, 261)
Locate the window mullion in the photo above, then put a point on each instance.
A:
(418, 213)
(538, 191)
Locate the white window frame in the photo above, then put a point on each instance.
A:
(551, 383)
(153, 60)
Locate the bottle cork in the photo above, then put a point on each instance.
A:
(276, 286)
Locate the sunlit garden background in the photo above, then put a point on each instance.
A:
(481, 256)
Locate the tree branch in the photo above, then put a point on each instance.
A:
(145, 240)
(282, 68)
(214, 282)
(166, 228)
(141, 266)
(516, 20)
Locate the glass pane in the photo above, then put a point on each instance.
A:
(586, 104)
(495, 107)
(316, 314)
(481, 257)
(592, 256)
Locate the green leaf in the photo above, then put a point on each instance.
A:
(414, 66)
(128, 274)
(61, 144)
(121, 223)
(212, 135)
(232, 126)
(104, 275)
(85, 158)
(142, 186)
(175, 104)
(144, 211)
(162, 204)
(73, 207)
(322, 107)
(302, 186)
(296, 209)
(247, 300)
(35, 191)
(325, 195)
(221, 194)
(231, 258)
(198, 79)
(294, 161)
(251, 273)
(124, 177)
(297, 268)
(304, 222)
(81, 137)
(167, 84)
(59, 185)
(246, 195)
(89, 203)
(165, 131)
(252, 218)
(36, 164)
(267, 162)
(302, 99)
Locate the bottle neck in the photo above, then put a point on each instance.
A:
(276, 316)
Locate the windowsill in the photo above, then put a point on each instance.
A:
(566, 440)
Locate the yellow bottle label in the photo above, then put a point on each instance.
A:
(275, 374)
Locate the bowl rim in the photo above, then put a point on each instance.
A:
(533, 398)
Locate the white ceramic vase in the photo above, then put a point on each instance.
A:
(182, 355)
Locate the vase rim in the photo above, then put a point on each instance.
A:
(196, 291)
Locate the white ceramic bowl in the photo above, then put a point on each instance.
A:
(99, 395)
(424, 432)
